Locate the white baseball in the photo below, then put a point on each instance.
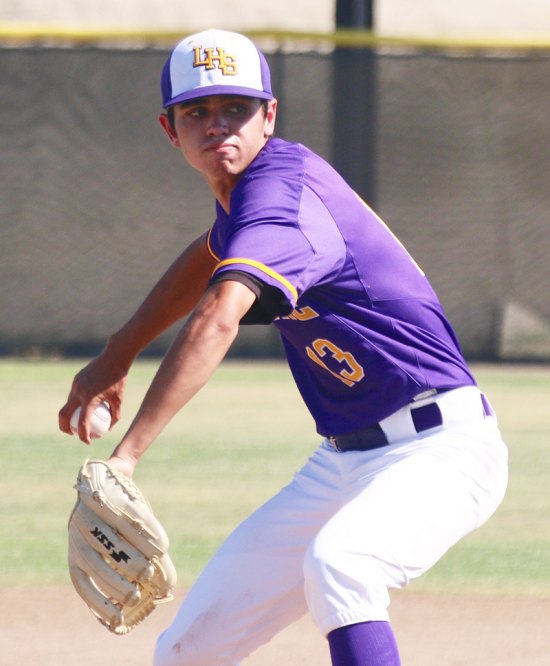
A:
(100, 422)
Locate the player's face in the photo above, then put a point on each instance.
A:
(220, 135)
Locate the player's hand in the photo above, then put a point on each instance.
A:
(104, 378)
(124, 465)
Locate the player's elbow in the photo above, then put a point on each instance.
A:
(223, 306)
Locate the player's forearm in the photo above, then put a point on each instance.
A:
(173, 297)
(184, 371)
(196, 352)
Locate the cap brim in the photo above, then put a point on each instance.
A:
(207, 91)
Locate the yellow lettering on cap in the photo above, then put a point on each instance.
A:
(220, 59)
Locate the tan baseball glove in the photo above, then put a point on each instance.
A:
(118, 550)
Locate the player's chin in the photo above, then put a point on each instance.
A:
(224, 167)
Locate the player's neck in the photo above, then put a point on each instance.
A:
(222, 191)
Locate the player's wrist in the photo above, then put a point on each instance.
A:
(121, 350)
(124, 464)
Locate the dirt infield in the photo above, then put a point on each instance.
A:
(51, 627)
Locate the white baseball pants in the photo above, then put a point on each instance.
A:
(349, 527)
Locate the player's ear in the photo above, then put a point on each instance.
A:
(270, 115)
(168, 128)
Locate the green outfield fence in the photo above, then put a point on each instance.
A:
(449, 141)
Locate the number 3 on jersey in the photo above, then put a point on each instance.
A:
(349, 374)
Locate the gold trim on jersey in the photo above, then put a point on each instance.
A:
(209, 246)
(261, 267)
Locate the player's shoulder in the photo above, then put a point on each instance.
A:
(273, 180)
(280, 154)
(279, 147)
(284, 160)
(279, 162)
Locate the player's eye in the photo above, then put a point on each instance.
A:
(191, 110)
(196, 112)
(238, 108)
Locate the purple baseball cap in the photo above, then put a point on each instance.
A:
(215, 62)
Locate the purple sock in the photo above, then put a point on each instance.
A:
(364, 644)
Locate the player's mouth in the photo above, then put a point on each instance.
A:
(220, 147)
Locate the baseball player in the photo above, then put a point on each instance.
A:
(410, 458)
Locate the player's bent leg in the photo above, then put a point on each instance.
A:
(231, 610)
(253, 586)
(344, 587)
(408, 506)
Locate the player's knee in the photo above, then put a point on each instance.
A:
(328, 563)
(166, 652)
(188, 651)
(338, 581)
(333, 558)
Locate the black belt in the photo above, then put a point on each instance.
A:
(424, 418)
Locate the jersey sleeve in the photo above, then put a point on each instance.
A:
(270, 301)
(280, 232)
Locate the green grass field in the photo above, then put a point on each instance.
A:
(238, 441)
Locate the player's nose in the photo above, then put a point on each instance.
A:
(217, 123)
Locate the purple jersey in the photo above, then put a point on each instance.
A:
(363, 330)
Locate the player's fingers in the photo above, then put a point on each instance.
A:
(115, 404)
(82, 426)
(84, 419)
(65, 413)
(115, 397)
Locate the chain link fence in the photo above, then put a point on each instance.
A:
(452, 149)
